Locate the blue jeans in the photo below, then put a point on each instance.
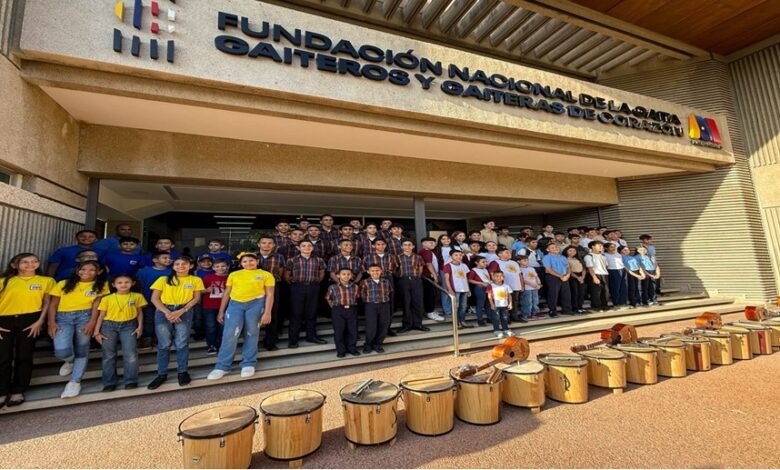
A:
(240, 317)
(618, 287)
(446, 303)
(501, 319)
(480, 298)
(529, 302)
(119, 331)
(148, 311)
(213, 327)
(179, 333)
(70, 325)
(463, 305)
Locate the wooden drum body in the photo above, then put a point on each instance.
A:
(740, 342)
(370, 417)
(523, 385)
(565, 377)
(671, 356)
(698, 353)
(478, 401)
(760, 337)
(720, 346)
(292, 424)
(606, 368)
(641, 362)
(219, 437)
(430, 404)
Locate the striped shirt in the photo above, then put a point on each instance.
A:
(342, 296)
(394, 245)
(409, 266)
(273, 263)
(376, 292)
(384, 234)
(357, 246)
(305, 270)
(331, 236)
(353, 263)
(281, 243)
(367, 245)
(322, 248)
(388, 263)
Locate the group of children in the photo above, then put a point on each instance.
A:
(122, 298)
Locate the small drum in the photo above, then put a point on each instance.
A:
(523, 385)
(740, 341)
(219, 437)
(430, 404)
(478, 401)
(761, 341)
(671, 356)
(698, 354)
(772, 323)
(606, 368)
(641, 362)
(292, 424)
(370, 416)
(565, 377)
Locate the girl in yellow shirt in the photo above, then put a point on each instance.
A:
(72, 317)
(174, 296)
(24, 300)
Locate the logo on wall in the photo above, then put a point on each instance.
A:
(704, 131)
(159, 25)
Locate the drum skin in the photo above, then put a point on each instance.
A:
(374, 420)
(606, 367)
(429, 403)
(641, 363)
(219, 437)
(292, 424)
(523, 384)
(477, 401)
(565, 381)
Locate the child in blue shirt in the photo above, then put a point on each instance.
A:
(162, 244)
(217, 251)
(652, 274)
(146, 276)
(635, 276)
(124, 261)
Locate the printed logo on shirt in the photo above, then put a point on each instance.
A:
(511, 269)
(36, 287)
(188, 286)
(90, 293)
(133, 262)
(258, 278)
(460, 274)
(501, 294)
(131, 303)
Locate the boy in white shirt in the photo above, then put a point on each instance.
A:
(490, 252)
(479, 278)
(596, 264)
(618, 278)
(529, 300)
(511, 271)
(500, 296)
(456, 279)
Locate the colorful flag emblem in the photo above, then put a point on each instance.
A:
(704, 129)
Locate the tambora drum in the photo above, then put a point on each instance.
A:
(720, 345)
(479, 396)
(430, 404)
(740, 341)
(671, 355)
(606, 368)
(292, 424)
(698, 353)
(370, 412)
(774, 325)
(641, 362)
(761, 341)
(523, 384)
(565, 377)
(219, 437)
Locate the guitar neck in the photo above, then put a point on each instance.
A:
(585, 347)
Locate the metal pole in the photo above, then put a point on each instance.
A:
(93, 194)
(419, 220)
(455, 338)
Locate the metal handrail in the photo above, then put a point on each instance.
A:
(454, 300)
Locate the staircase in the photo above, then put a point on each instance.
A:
(47, 384)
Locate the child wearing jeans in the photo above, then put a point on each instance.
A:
(119, 321)
(500, 296)
(215, 285)
(479, 278)
(635, 276)
(529, 299)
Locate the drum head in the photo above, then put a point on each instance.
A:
(427, 383)
(602, 353)
(217, 421)
(692, 339)
(734, 329)
(522, 367)
(562, 360)
(377, 392)
(751, 326)
(663, 342)
(480, 377)
(635, 347)
(292, 403)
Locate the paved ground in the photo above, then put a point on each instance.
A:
(726, 417)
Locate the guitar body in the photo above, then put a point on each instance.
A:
(513, 349)
(709, 321)
(755, 313)
(620, 333)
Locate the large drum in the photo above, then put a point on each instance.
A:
(698, 353)
(761, 342)
(370, 412)
(671, 356)
(523, 385)
(430, 404)
(565, 377)
(292, 424)
(641, 362)
(478, 400)
(219, 437)
(772, 323)
(720, 346)
(740, 341)
(606, 368)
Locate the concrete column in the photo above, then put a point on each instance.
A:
(93, 193)
(419, 219)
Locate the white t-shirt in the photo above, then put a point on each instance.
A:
(511, 272)
(584, 242)
(445, 254)
(533, 260)
(597, 262)
(501, 294)
(458, 276)
(614, 261)
(490, 257)
(530, 278)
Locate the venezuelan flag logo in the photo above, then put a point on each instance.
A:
(703, 129)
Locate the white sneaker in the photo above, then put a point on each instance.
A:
(435, 316)
(72, 389)
(509, 333)
(216, 374)
(247, 372)
(498, 334)
(65, 369)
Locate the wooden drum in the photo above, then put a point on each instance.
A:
(606, 368)
(720, 346)
(523, 385)
(671, 356)
(774, 325)
(219, 437)
(698, 355)
(761, 341)
(478, 401)
(641, 362)
(740, 341)
(430, 404)
(565, 377)
(292, 424)
(371, 416)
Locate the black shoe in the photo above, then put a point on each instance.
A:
(159, 380)
(316, 340)
(271, 347)
(10, 403)
(391, 333)
(553, 315)
(421, 328)
(131, 386)
(107, 388)
(403, 330)
(340, 355)
(184, 378)
(355, 352)
(465, 325)
(379, 349)
(522, 320)
(211, 351)
(292, 345)
(367, 350)
(481, 323)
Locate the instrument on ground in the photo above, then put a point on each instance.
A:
(641, 362)
(760, 338)
(523, 385)
(220, 437)
(292, 424)
(565, 377)
(619, 333)
(370, 412)
(756, 313)
(740, 341)
(606, 368)
(708, 321)
(671, 355)
(479, 396)
(720, 345)
(430, 404)
(773, 325)
(511, 350)
(698, 353)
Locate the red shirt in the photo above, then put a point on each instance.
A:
(214, 299)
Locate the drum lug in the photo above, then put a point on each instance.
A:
(378, 409)
(427, 398)
(395, 416)
(344, 405)
(308, 418)
(566, 383)
(179, 438)
(491, 388)
(195, 458)
(221, 442)
(267, 420)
